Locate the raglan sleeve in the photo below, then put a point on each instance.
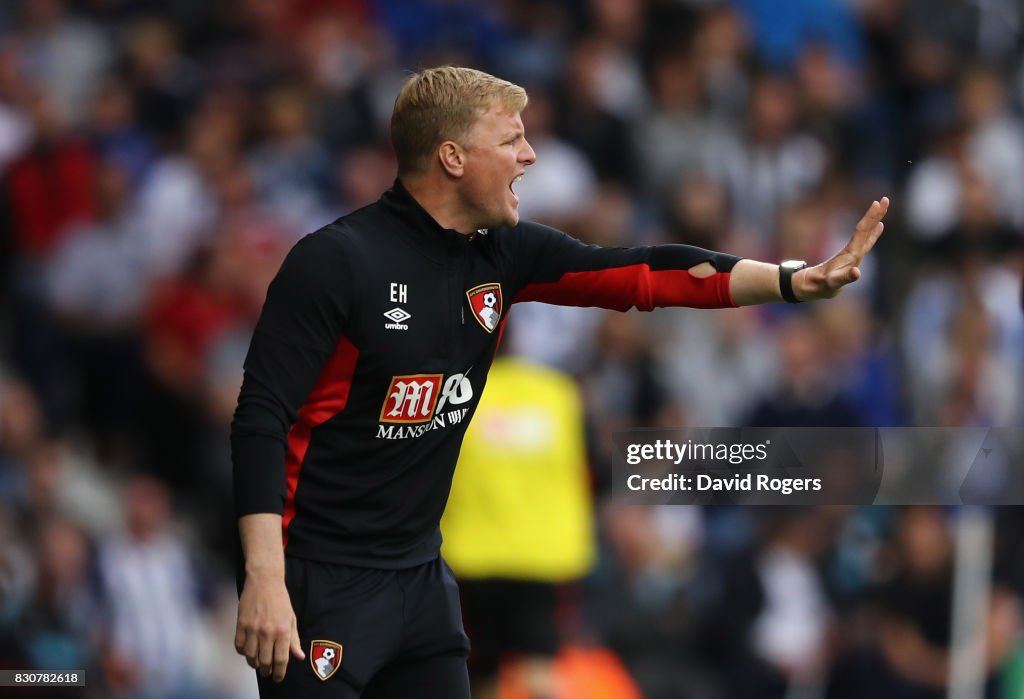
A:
(304, 319)
(553, 267)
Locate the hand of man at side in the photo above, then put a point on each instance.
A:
(267, 631)
(825, 280)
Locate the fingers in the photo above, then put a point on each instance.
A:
(268, 652)
(876, 212)
(839, 278)
(296, 645)
(282, 649)
(281, 656)
(250, 649)
(266, 655)
(266, 629)
(239, 640)
(869, 228)
(247, 644)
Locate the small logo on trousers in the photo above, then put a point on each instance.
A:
(325, 657)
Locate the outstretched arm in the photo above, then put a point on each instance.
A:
(556, 268)
(753, 282)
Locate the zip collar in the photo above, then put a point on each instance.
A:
(427, 230)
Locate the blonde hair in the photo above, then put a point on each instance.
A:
(443, 103)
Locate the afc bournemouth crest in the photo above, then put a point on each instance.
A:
(325, 657)
(485, 300)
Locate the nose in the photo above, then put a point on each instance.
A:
(526, 155)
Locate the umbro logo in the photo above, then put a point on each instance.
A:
(397, 316)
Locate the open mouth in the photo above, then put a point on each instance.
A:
(518, 178)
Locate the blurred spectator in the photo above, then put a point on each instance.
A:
(47, 190)
(533, 51)
(15, 123)
(291, 168)
(672, 135)
(807, 394)
(22, 428)
(772, 161)
(915, 603)
(624, 388)
(716, 366)
(643, 599)
(165, 82)
(781, 30)
(97, 287)
(933, 189)
(41, 477)
(995, 140)
(64, 54)
(963, 326)
(186, 318)
(720, 52)
(616, 28)
(868, 369)
(347, 64)
(562, 177)
(523, 455)
(17, 579)
(50, 186)
(987, 150)
(60, 622)
(151, 599)
(587, 122)
(362, 175)
(116, 135)
(558, 336)
(175, 205)
(436, 29)
(773, 620)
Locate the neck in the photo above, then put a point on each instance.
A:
(440, 200)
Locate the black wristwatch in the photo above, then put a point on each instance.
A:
(786, 271)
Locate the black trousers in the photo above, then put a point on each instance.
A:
(374, 634)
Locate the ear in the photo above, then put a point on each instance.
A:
(452, 157)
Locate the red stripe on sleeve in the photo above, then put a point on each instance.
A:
(327, 398)
(621, 288)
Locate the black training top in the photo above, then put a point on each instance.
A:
(371, 353)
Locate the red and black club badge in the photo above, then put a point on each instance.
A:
(485, 300)
(325, 657)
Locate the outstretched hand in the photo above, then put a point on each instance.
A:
(825, 280)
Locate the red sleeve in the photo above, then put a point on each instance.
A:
(556, 268)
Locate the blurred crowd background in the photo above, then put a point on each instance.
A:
(159, 157)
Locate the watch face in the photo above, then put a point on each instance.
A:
(794, 264)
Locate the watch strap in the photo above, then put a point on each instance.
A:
(786, 282)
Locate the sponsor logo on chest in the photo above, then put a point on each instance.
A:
(417, 403)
